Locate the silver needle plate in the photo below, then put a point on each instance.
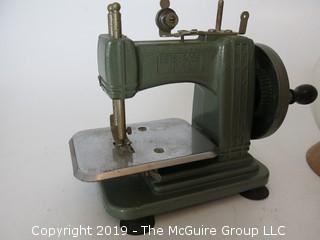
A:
(156, 144)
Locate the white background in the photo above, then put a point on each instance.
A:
(49, 91)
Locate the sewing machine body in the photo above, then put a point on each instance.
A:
(223, 69)
(241, 93)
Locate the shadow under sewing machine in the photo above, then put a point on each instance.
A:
(241, 93)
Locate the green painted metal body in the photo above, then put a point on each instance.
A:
(131, 197)
(223, 69)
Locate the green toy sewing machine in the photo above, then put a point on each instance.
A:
(241, 93)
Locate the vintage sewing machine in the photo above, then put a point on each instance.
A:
(241, 93)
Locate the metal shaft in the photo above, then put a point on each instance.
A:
(116, 21)
(110, 19)
(219, 15)
(119, 117)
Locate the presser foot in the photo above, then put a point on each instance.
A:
(138, 226)
(256, 194)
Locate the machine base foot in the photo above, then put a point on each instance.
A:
(256, 194)
(131, 197)
(138, 226)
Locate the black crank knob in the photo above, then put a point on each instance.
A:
(304, 94)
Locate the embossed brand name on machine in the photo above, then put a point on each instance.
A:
(179, 63)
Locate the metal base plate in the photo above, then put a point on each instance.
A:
(156, 144)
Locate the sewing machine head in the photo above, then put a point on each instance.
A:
(241, 93)
(225, 66)
(126, 67)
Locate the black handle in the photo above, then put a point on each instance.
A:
(304, 94)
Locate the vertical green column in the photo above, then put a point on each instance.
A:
(225, 116)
